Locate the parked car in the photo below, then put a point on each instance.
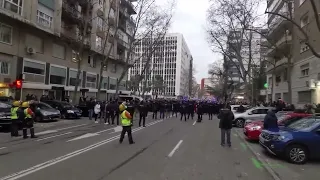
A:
(66, 109)
(5, 115)
(44, 112)
(234, 108)
(256, 112)
(253, 129)
(298, 142)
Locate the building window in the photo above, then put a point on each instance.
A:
(304, 70)
(44, 19)
(104, 83)
(100, 23)
(285, 74)
(34, 71)
(92, 61)
(113, 67)
(58, 75)
(5, 33)
(12, 5)
(113, 83)
(98, 42)
(304, 97)
(303, 48)
(58, 51)
(91, 81)
(73, 78)
(34, 68)
(304, 20)
(75, 56)
(4, 67)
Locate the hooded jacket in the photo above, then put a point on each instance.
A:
(226, 116)
(270, 121)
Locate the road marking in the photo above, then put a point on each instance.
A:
(3, 147)
(244, 146)
(46, 132)
(256, 163)
(51, 162)
(175, 148)
(83, 136)
(194, 123)
(70, 127)
(53, 136)
(105, 130)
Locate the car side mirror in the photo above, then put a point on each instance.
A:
(57, 107)
(249, 113)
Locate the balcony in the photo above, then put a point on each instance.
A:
(72, 36)
(128, 4)
(70, 13)
(277, 65)
(282, 46)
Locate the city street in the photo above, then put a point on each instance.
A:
(165, 149)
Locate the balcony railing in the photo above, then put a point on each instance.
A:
(71, 11)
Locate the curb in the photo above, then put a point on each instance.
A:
(266, 164)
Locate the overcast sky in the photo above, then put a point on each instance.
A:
(190, 19)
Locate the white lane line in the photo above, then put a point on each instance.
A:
(53, 136)
(70, 127)
(51, 162)
(104, 130)
(3, 147)
(175, 148)
(194, 123)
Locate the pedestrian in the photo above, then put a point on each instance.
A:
(28, 120)
(15, 118)
(270, 121)
(226, 116)
(126, 122)
(142, 113)
(97, 111)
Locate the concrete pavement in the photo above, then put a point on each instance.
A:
(165, 149)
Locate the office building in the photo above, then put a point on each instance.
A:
(171, 61)
(41, 40)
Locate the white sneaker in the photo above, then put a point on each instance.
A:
(96, 122)
(106, 123)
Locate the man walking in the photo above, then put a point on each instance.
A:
(126, 121)
(225, 124)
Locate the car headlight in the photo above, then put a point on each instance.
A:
(255, 128)
(70, 111)
(278, 138)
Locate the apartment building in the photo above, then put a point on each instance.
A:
(171, 60)
(248, 46)
(40, 41)
(305, 71)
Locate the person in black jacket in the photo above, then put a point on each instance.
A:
(143, 113)
(225, 124)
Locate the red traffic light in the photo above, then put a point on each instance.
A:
(17, 84)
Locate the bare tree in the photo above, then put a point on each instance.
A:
(228, 33)
(82, 41)
(152, 22)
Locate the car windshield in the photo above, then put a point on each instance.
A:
(44, 106)
(305, 124)
(281, 117)
(4, 105)
(65, 104)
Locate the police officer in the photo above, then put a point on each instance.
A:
(126, 121)
(15, 118)
(142, 113)
(28, 121)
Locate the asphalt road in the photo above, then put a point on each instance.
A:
(167, 149)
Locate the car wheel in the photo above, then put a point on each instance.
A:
(240, 123)
(297, 154)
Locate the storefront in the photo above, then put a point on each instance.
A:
(5, 90)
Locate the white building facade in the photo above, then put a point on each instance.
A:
(171, 61)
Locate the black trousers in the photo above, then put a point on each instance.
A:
(14, 127)
(115, 115)
(155, 115)
(210, 116)
(143, 119)
(191, 114)
(183, 115)
(126, 129)
(199, 117)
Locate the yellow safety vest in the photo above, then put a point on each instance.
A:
(27, 115)
(14, 114)
(124, 120)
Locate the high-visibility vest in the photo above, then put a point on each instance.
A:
(14, 114)
(125, 121)
(27, 115)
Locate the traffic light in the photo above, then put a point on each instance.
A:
(17, 84)
(266, 85)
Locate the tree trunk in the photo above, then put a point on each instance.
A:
(289, 81)
(79, 58)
